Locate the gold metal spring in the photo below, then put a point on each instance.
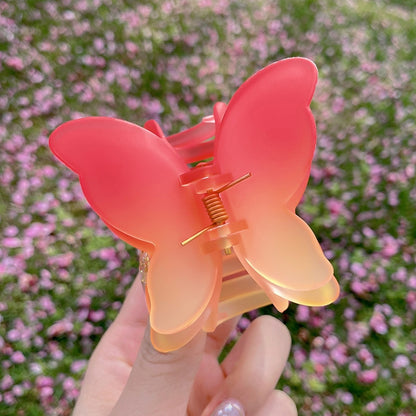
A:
(215, 207)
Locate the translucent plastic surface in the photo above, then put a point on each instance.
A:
(130, 178)
(268, 130)
(139, 183)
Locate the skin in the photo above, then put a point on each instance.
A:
(127, 376)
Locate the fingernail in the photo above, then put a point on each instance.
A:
(229, 407)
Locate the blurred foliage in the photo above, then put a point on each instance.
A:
(172, 61)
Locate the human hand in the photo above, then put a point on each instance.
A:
(126, 376)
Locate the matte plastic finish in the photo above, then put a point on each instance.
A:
(139, 183)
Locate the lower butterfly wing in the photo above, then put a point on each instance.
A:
(287, 258)
(281, 247)
(268, 130)
(130, 177)
(320, 296)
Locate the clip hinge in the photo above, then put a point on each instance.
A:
(215, 207)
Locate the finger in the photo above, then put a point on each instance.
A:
(160, 383)
(114, 355)
(278, 404)
(134, 310)
(204, 387)
(217, 339)
(124, 335)
(259, 355)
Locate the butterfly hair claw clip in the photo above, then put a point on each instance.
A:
(221, 238)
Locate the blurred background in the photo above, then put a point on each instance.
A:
(63, 275)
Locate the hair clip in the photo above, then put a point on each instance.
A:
(221, 238)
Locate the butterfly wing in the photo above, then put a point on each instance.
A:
(130, 177)
(268, 130)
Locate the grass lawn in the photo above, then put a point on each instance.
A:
(63, 274)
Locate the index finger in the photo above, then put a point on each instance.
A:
(260, 355)
(134, 310)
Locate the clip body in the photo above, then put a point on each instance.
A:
(222, 237)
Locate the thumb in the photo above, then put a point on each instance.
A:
(161, 383)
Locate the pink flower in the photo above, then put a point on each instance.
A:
(354, 366)
(396, 321)
(13, 335)
(11, 242)
(347, 397)
(68, 383)
(338, 104)
(365, 355)
(9, 398)
(46, 392)
(400, 275)
(154, 107)
(17, 357)
(60, 328)
(133, 103)
(302, 313)
(401, 361)
(78, 365)
(87, 329)
(131, 47)
(391, 246)
(107, 253)
(243, 323)
(411, 300)
(319, 357)
(371, 407)
(368, 376)
(15, 62)
(27, 282)
(299, 357)
(413, 391)
(55, 352)
(82, 314)
(47, 305)
(378, 323)
(44, 381)
(6, 382)
(356, 333)
(72, 394)
(48, 171)
(412, 282)
(96, 316)
(84, 301)
(335, 206)
(11, 231)
(38, 229)
(62, 260)
(339, 354)
(18, 390)
(358, 269)
(358, 287)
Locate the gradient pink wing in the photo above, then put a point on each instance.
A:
(269, 131)
(131, 179)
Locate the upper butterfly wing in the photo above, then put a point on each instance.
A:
(268, 130)
(130, 177)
